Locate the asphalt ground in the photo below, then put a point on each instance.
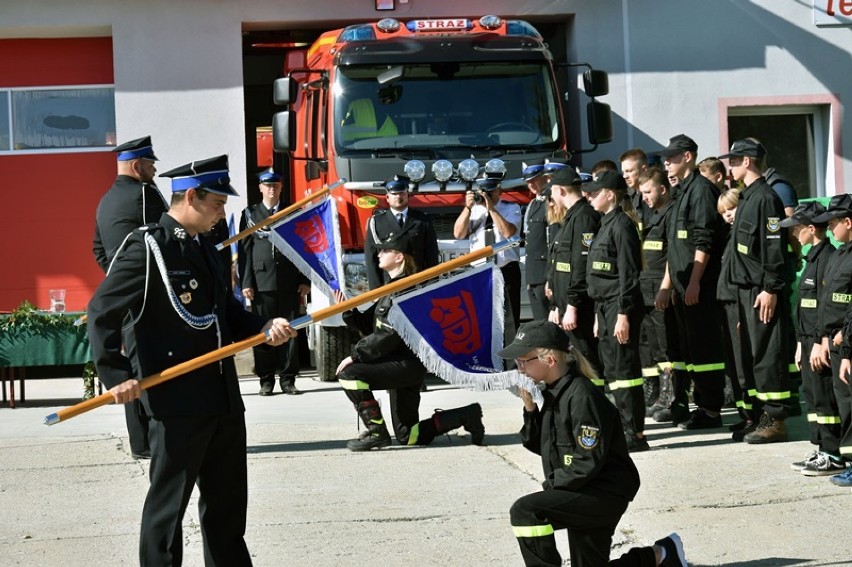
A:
(70, 494)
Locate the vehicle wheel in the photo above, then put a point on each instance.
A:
(334, 344)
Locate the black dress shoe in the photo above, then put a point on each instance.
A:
(265, 389)
(143, 455)
(290, 389)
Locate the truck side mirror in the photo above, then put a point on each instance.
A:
(595, 83)
(600, 122)
(284, 91)
(284, 131)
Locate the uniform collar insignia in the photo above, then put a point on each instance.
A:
(179, 232)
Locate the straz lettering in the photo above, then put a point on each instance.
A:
(441, 24)
(602, 266)
(742, 248)
(682, 234)
(809, 303)
(457, 318)
(652, 245)
(841, 297)
(563, 267)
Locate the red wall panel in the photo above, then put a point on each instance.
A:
(48, 206)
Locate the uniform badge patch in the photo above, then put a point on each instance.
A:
(589, 437)
(773, 224)
(179, 232)
(588, 238)
(193, 283)
(185, 298)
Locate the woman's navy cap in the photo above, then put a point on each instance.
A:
(268, 176)
(140, 148)
(208, 174)
(606, 180)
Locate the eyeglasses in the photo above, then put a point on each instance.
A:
(523, 361)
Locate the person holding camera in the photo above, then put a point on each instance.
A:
(487, 219)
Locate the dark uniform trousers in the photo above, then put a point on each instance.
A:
(402, 378)
(843, 395)
(655, 357)
(744, 394)
(765, 353)
(538, 302)
(623, 369)
(583, 338)
(211, 450)
(512, 298)
(701, 347)
(819, 391)
(134, 413)
(282, 359)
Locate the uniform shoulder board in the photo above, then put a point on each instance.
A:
(377, 212)
(150, 227)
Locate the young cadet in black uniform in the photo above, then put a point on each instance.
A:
(614, 264)
(382, 361)
(696, 241)
(833, 308)
(132, 201)
(274, 286)
(571, 307)
(589, 476)
(659, 324)
(387, 222)
(760, 264)
(537, 232)
(823, 414)
(169, 282)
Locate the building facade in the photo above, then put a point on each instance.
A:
(191, 75)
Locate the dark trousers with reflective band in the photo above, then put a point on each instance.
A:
(765, 353)
(745, 398)
(209, 452)
(655, 355)
(590, 518)
(539, 303)
(282, 359)
(700, 344)
(583, 337)
(402, 379)
(622, 369)
(843, 395)
(820, 401)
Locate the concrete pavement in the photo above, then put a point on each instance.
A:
(70, 494)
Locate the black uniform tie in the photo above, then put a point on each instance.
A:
(400, 219)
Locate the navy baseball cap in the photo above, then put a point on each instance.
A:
(605, 180)
(402, 241)
(677, 145)
(536, 334)
(839, 206)
(208, 174)
(804, 214)
(745, 148)
(566, 177)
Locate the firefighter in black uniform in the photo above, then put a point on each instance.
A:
(536, 238)
(614, 264)
(571, 307)
(170, 284)
(386, 222)
(589, 476)
(659, 324)
(274, 286)
(696, 242)
(821, 403)
(760, 263)
(132, 201)
(382, 361)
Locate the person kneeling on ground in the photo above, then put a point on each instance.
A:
(589, 475)
(381, 360)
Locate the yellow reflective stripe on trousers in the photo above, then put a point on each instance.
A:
(705, 367)
(827, 419)
(752, 393)
(792, 367)
(679, 365)
(353, 384)
(766, 396)
(744, 405)
(600, 382)
(622, 384)
(663, 366)
(846, 450)
(812, 417)
(650, 372)
(533, 531)
(414, 434)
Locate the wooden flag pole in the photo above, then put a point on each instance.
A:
(280, 214)
(230, 350)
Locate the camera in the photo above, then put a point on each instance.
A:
(478, 196)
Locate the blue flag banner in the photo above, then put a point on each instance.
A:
(311, 240)
(235, 265)
(455, 327)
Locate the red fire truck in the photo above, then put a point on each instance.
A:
(438, 100)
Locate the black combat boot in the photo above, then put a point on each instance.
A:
(665, 394)
(651, 388)
(469, 417)
(376, 436)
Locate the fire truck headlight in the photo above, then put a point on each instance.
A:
(491, 22)
(415, 170)
(355, 278)
(495, 168)
(469, 169)
(442, 170)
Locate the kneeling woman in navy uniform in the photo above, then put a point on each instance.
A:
(382, 361)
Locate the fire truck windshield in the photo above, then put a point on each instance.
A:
(446, 105)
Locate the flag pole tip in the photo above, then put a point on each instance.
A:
(51, 419)
(78, 321)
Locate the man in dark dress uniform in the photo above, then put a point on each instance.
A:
(169, 283)
(387, 222)
(132, 201)
(274, 286)
(536, 239)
